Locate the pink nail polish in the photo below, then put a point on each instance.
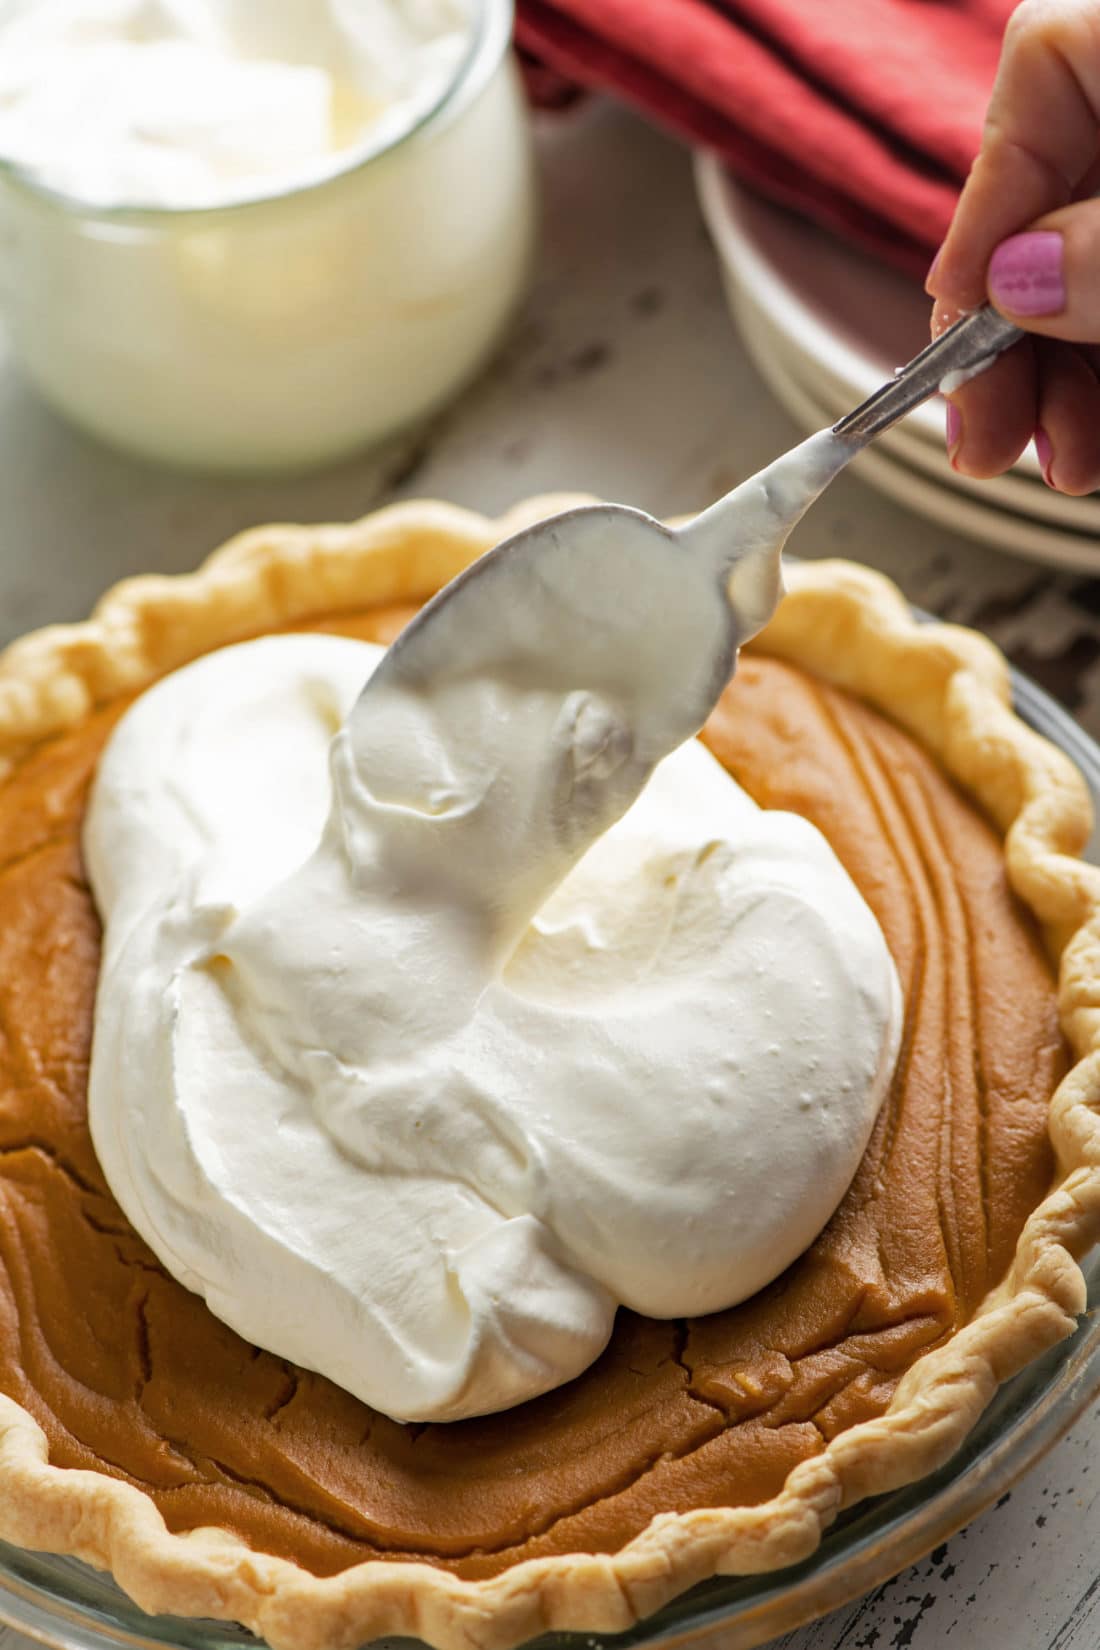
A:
(1026, 274)
(954, 430)
(1044, 452)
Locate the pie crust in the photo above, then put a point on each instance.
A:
(851, 628)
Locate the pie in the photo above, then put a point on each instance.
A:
(139, 1433)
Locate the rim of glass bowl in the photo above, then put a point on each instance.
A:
(64, 1604)
(489, 37)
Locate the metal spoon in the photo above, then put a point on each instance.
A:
(610, 604)
(960, 353)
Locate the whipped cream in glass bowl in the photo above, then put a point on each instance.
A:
(243, 238)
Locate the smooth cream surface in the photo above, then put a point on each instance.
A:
(418, 1060)
(197, 102)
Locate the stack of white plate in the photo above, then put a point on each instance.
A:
(826, 325)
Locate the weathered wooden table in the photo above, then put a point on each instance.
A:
(624, 378)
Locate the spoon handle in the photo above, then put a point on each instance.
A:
(965, 348)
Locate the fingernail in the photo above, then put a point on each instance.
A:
(1044, 452)
(932, 267)
(1026, 275)
(954, 430)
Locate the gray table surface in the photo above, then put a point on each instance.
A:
(623, 377)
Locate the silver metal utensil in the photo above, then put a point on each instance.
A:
(961, 352)
(607, 599)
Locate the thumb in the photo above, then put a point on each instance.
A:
(1047, 279)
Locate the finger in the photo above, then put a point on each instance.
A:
(1067, 436)
(1048, 278)
(1040, 140)
(990, 420)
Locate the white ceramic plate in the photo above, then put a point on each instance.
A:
(1017, 492)
(854, 318)
(951, 508)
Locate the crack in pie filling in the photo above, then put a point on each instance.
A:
(723, 1442)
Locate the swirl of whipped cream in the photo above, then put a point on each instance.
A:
(414, 1081)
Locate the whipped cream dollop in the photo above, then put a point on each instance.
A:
(423, 1040)
(199, 102)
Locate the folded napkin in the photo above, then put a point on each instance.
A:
(863, 114)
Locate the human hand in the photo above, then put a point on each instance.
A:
(1026, 236)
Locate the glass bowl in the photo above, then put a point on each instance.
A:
(293, 326)
(63, 1603)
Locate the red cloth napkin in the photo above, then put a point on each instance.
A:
(863, 114)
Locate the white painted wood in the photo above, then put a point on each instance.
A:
(1024, 1576)
(623, 377)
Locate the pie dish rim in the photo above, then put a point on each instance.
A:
(846, 625)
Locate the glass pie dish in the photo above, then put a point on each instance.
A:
(62, 1602)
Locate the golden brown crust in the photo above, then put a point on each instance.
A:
(848, 626)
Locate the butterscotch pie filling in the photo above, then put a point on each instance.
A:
(129, 1374)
